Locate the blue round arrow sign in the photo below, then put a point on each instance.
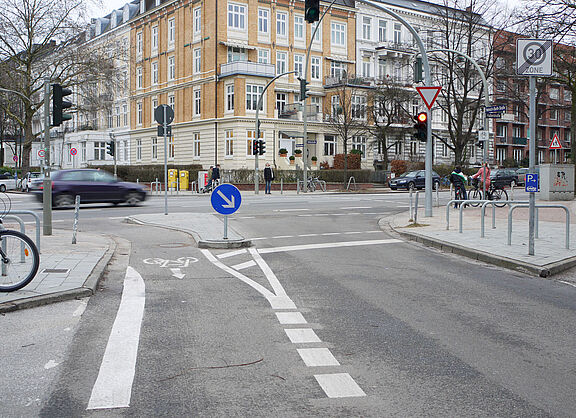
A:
(226, 199)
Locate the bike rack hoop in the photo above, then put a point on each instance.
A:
(525, 205)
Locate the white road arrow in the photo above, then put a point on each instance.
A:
(177, 273)
(229, 203)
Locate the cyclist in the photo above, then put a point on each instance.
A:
(459, 180)
(484, 174)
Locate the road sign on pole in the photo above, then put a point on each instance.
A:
(41, 153)
(226, 199)
(531, 182)
(73, 151)
(534, 57)
(555, 144)
(161, 117)
(429, 94)
(496, 109)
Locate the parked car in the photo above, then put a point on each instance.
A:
(504, 177)
(7, 182)
(521, 174)
(93, 186)
(25, 183)
(413, 180)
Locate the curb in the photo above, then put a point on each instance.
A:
(87, 290)
(544, 271)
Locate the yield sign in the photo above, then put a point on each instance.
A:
(555, 144)
(429, 95)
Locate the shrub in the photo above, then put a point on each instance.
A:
(297, 151)
(292, 158)
(149, 173)
(416, 165)
(354, 161)
(355, 151)
(398, 167)
(283, 151)
(339, 176)
(314, 158)
(443, 169)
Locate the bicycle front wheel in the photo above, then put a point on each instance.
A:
(475, 195)
(19, 260)
(499, 194)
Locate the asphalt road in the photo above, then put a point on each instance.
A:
(418, 332)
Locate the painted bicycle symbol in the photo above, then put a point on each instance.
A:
(180, 262)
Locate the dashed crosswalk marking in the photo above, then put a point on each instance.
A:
(245, 265)
(339, 385)
(317, 357)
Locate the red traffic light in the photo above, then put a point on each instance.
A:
(422, 117)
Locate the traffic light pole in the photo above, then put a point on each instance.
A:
(257, 130)
(47, 182)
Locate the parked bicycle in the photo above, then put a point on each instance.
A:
(315, 183)
(495, 192)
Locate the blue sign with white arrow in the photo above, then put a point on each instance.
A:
(531, 182)
(226, 199)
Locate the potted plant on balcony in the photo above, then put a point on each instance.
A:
(314, 160)
(283, 152)
(292, 158)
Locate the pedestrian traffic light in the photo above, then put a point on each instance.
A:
(261, 147)
(111, 148)
(312, 10)
(58, 104)
(255, 147)
(421, 127)
(303, 89)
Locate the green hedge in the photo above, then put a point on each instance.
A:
(149, 173)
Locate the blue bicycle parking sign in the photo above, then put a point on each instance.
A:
(226, 199)
(531, 182)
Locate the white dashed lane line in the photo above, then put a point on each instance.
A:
(298, 236)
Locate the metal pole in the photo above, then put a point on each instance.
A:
(165, 125)
(225, 226)
(76, 212)
(47, 183)
(532, 166)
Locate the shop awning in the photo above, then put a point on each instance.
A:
(237, 45)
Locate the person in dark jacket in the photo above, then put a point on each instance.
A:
(459, 180)
(214, 177)
(268, 177)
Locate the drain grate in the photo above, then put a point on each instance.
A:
(56, 271)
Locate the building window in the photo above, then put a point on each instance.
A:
(567, 116)
(338, 34)
(138, 149)
(139, 113)
(315, 68)
(264, 56)
(299, 64)
(99, 150)
(337, 69)
(154, 106)
(139, 79)
(329, 145)
(154, 148)
(517, 131)
(359, 143)
(172, 102)
(335, 105)
(197, 102)
(263, 20)
(197, 20)
(229, 143)
(358, 107)
(280, 62)
(382, 31)
(236, 54)
(252, 94)
(154, 39)
(554, 93)
(196, 144)
(171, 31)
(298, 28)
(501, 130)
(117, 116)
(171, 147)
(139, 44)
(517, 154)
(366, 67)
(398, 148)
(397, 33)
(230, 97)
(280, 102)
(367, 28)
(382, 67)
(125, 113)
(281, 19)
(83, 151)
(126, 150)
(154, 75)
(236, 16)
(197, 60)
(171, 68)
(110, 120)
(553, 114)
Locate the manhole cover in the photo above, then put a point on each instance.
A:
(174, 245)
(56, 271)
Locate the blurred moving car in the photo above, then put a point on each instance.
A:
(25, 183)
(93, 186)
(7, 182)
(414, 180)
(504, 177)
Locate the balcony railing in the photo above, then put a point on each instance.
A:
(519, 140)
(247, 68)
(293, 111)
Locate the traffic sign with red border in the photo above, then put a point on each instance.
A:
(41, 153)
(555, 144)
(429, 94)
(73, 151)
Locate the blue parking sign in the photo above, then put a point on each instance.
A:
(226, 199)
(531, 182)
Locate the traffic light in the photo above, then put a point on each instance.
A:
(312, 10)
(480, 144)
(418, 70)
(303, 89)
(421, 127)
(58, 105)
(111, 147)
(255, 147)
(261, 147)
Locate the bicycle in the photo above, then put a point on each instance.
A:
(458, 194)
(493, 193)
(19, 260)
(315, 182)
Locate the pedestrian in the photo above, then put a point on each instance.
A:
(216, 174)
(459, 180)
(268, 177)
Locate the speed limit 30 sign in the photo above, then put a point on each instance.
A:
(534, 57)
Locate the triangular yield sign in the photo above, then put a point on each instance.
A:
(555, 144)
(429, 94)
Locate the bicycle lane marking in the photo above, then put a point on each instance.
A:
(113, 386)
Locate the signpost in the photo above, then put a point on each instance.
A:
(41, 153)
(164, 115)
(531, 183)
(226, 200)
(555, 145)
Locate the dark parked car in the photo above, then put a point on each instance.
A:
(93, 186)
(413, 180)
(504, 177)
(521, 174)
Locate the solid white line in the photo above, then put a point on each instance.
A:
(290, 318)
(289, 210)
(568, 283)
(231, 253)
(331, 233)
(245, 265)
(116, 217)
(339, 385)
(371, 232)
(354, 232)
(327, 245)
(358, 207)
(258, 239)
(317, 357)
(302, 335)
(283, 236)
(272, 279)
(305, 215)
(113, 386)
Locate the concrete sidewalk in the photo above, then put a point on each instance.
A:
(67, 271)
(550, 255)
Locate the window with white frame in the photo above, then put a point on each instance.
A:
(299, 64)
(367, 28)
(172, 101)
(125, 113)
(398, 148)
(139, 44)
(250, 135)
(299, 28)
(382, 31)
(280, 102)
(139, 113)
(263, 20)
(501, 130)
(366, 67)
(171, 32)
(553, 114)
(237, 54)
(359, 143)
(154, 148)
(197, 102)
(517, 152)
(338, 34)
(253, 92)
(281, 58)
(397, 33)
(196, 142)
(554, 93)
(335, 105)
(281, 25)
(236, 16)
(316, 101)
(99, 150)
(567, 115)
(315, 68)
(358, 107)
(154, 73)
(264, 56)
(382, 69)
(171, 68)
(517, 131)
(337, 69)
(139, 78)
(329, 145)
(154, 42)
(154, 106)
(229, 143)
(83, 151)
(117, 116)
(197, 60)
(171, 147)
(230, 97)
(197, 20)
(567, 136)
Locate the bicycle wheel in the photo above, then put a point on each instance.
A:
(311, 187)
(457, 196)
(322, 185)
(19, 260)
(499, 194)
(475, 195)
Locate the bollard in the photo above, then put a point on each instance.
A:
(76, 211)
(411, 212)
(281, 186)
(416, 208)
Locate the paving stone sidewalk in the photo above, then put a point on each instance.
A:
(76, 269)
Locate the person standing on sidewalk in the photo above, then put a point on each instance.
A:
(268, 177)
